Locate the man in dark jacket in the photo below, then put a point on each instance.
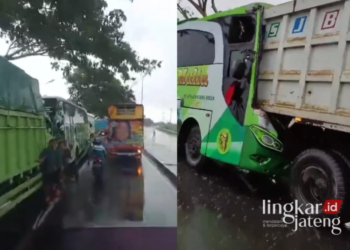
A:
(48, 165)
(60, 167)
(67, 160)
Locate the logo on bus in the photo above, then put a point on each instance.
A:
(193, 77)
(224, 141)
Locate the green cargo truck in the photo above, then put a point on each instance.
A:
(27, 122)
(23, 134)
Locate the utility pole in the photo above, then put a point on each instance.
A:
(143, 77)
(148, 72)
(171, 115)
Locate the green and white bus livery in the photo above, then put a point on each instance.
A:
(230, 129)
(69, 122)
(260, 87)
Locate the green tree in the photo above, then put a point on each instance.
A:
(71, 32)
(199, 5)
(96, 89)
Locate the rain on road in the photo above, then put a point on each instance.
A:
(163, 147)
(125, 200)
(217, 211)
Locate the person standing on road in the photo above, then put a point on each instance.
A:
(47, 160)
(67, 157)
(154, 134)
(59, 169)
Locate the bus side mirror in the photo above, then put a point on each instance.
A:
(239, 69)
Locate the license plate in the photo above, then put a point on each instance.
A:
(97, 165)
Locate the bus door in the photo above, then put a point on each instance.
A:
(239, 37)
(238, 34)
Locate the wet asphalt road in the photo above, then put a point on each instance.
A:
(217, 211)
(126, 200)
(163, 147)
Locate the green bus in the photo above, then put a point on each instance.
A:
(210, 122)
(69, 122)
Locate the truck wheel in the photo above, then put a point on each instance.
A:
(193, 148)
(317, 176)
(346, 176)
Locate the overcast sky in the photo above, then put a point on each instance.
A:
(151, 31)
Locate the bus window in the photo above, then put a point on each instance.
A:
(241, 29)
(190, 47)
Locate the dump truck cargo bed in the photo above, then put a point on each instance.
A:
(305, 67)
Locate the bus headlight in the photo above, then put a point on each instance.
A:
(139, 151)
(266, 139)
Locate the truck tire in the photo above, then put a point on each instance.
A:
(192, 148)
(317, 176)
(345, 162)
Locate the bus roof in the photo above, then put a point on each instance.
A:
(62, 99)
(236, 11)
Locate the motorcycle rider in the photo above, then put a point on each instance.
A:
(98, 151)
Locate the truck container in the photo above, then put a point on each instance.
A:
(305, 66)
(101, 125)
(125, 131)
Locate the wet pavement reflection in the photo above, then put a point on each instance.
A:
(163, 147)
(217, 211)
(130, 195)
(134, 207)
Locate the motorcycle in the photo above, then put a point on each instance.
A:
(97, 169)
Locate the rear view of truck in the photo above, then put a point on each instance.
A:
(305, 62)
(125, 131)
(304, 87)
(101, 126)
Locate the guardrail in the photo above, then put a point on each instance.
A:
(162, 168)
(167, 131)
